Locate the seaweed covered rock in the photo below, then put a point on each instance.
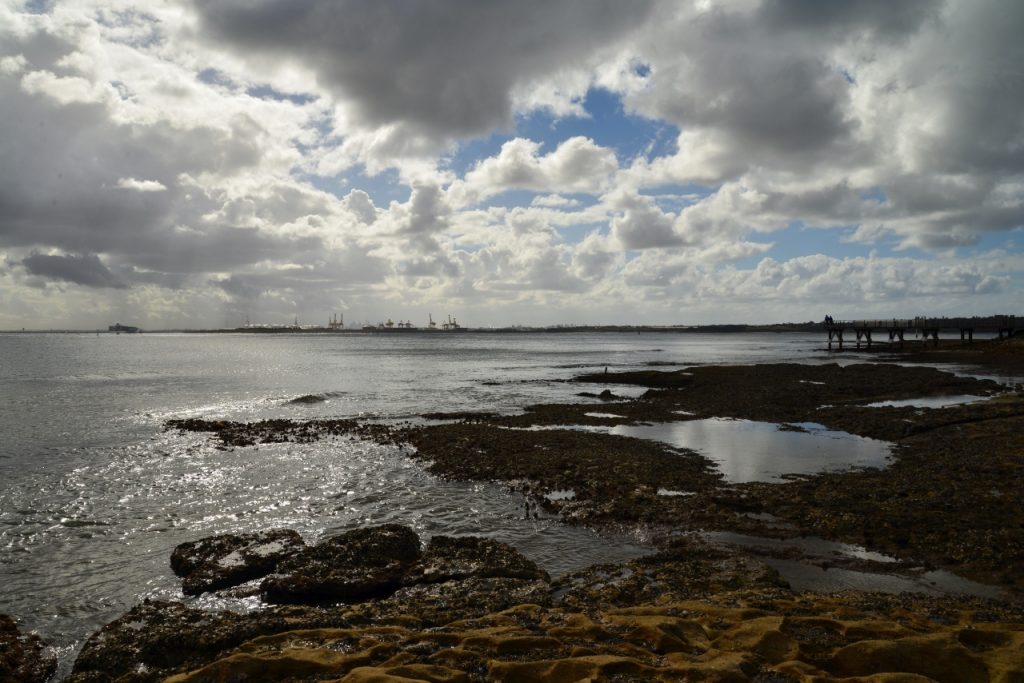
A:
(455, 559)
(357, 565)
(230, 559)
(22, 656)
(156, 639)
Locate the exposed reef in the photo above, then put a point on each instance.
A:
(374, 605)
(23, 657)
(242, 434)
(943, 499)
(691, 611)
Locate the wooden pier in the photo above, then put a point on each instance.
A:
(927, 328)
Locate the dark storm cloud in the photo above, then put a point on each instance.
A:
(447, 67)
(217, 248)
(771, 99)
(883, 18)
(85, 269)
(977, 96)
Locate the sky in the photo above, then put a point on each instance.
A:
(201, 163)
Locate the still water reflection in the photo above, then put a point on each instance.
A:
(746, 451)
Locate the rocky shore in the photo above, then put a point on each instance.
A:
(23, 657)
(378, 607)
(381, 604)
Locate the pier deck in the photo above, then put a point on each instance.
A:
(926, 328)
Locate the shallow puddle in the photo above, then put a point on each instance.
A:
(748, 451)
(805, 576)
(928, 402)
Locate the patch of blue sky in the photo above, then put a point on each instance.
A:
(510, 199)
(135, 18)
(574, 234)
(676, 197)
(212, 76)
(578, 200)
(382, 188)
(875, 193)
(39, 6)
(265, 92)
(571, 234)
(797, 240)
(606, 123)
(513, 198)
(1010, 241)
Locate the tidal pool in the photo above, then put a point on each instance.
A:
(807, 575)
(928, 402)
(747, 451)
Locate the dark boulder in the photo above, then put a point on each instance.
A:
(230, 559)
(358, 565)
(605, 395)
(307, 398)
(455, 559)
(22, 656)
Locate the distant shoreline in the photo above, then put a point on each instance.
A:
(782, 327)
(801, 328)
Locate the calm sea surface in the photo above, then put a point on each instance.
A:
(94, 495)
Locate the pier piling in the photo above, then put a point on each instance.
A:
(1004, 326)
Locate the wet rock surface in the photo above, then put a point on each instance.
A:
(455, 559)
(942, 500)
(455, 578)
(22, 655)
(241, 434)
(357, 565)
(231, 559)
(692, 610)
(610, 475)
(307, 399)
(689, 612)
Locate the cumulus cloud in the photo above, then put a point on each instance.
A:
(214, 160)
(140, 185)
(555, 201)
(642, 225)
(444, 68)
(576, 165)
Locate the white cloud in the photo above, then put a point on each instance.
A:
(205, 159)
(576, 165)
(141, 185)
(554, 201)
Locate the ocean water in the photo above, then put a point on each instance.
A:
(94, 494)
